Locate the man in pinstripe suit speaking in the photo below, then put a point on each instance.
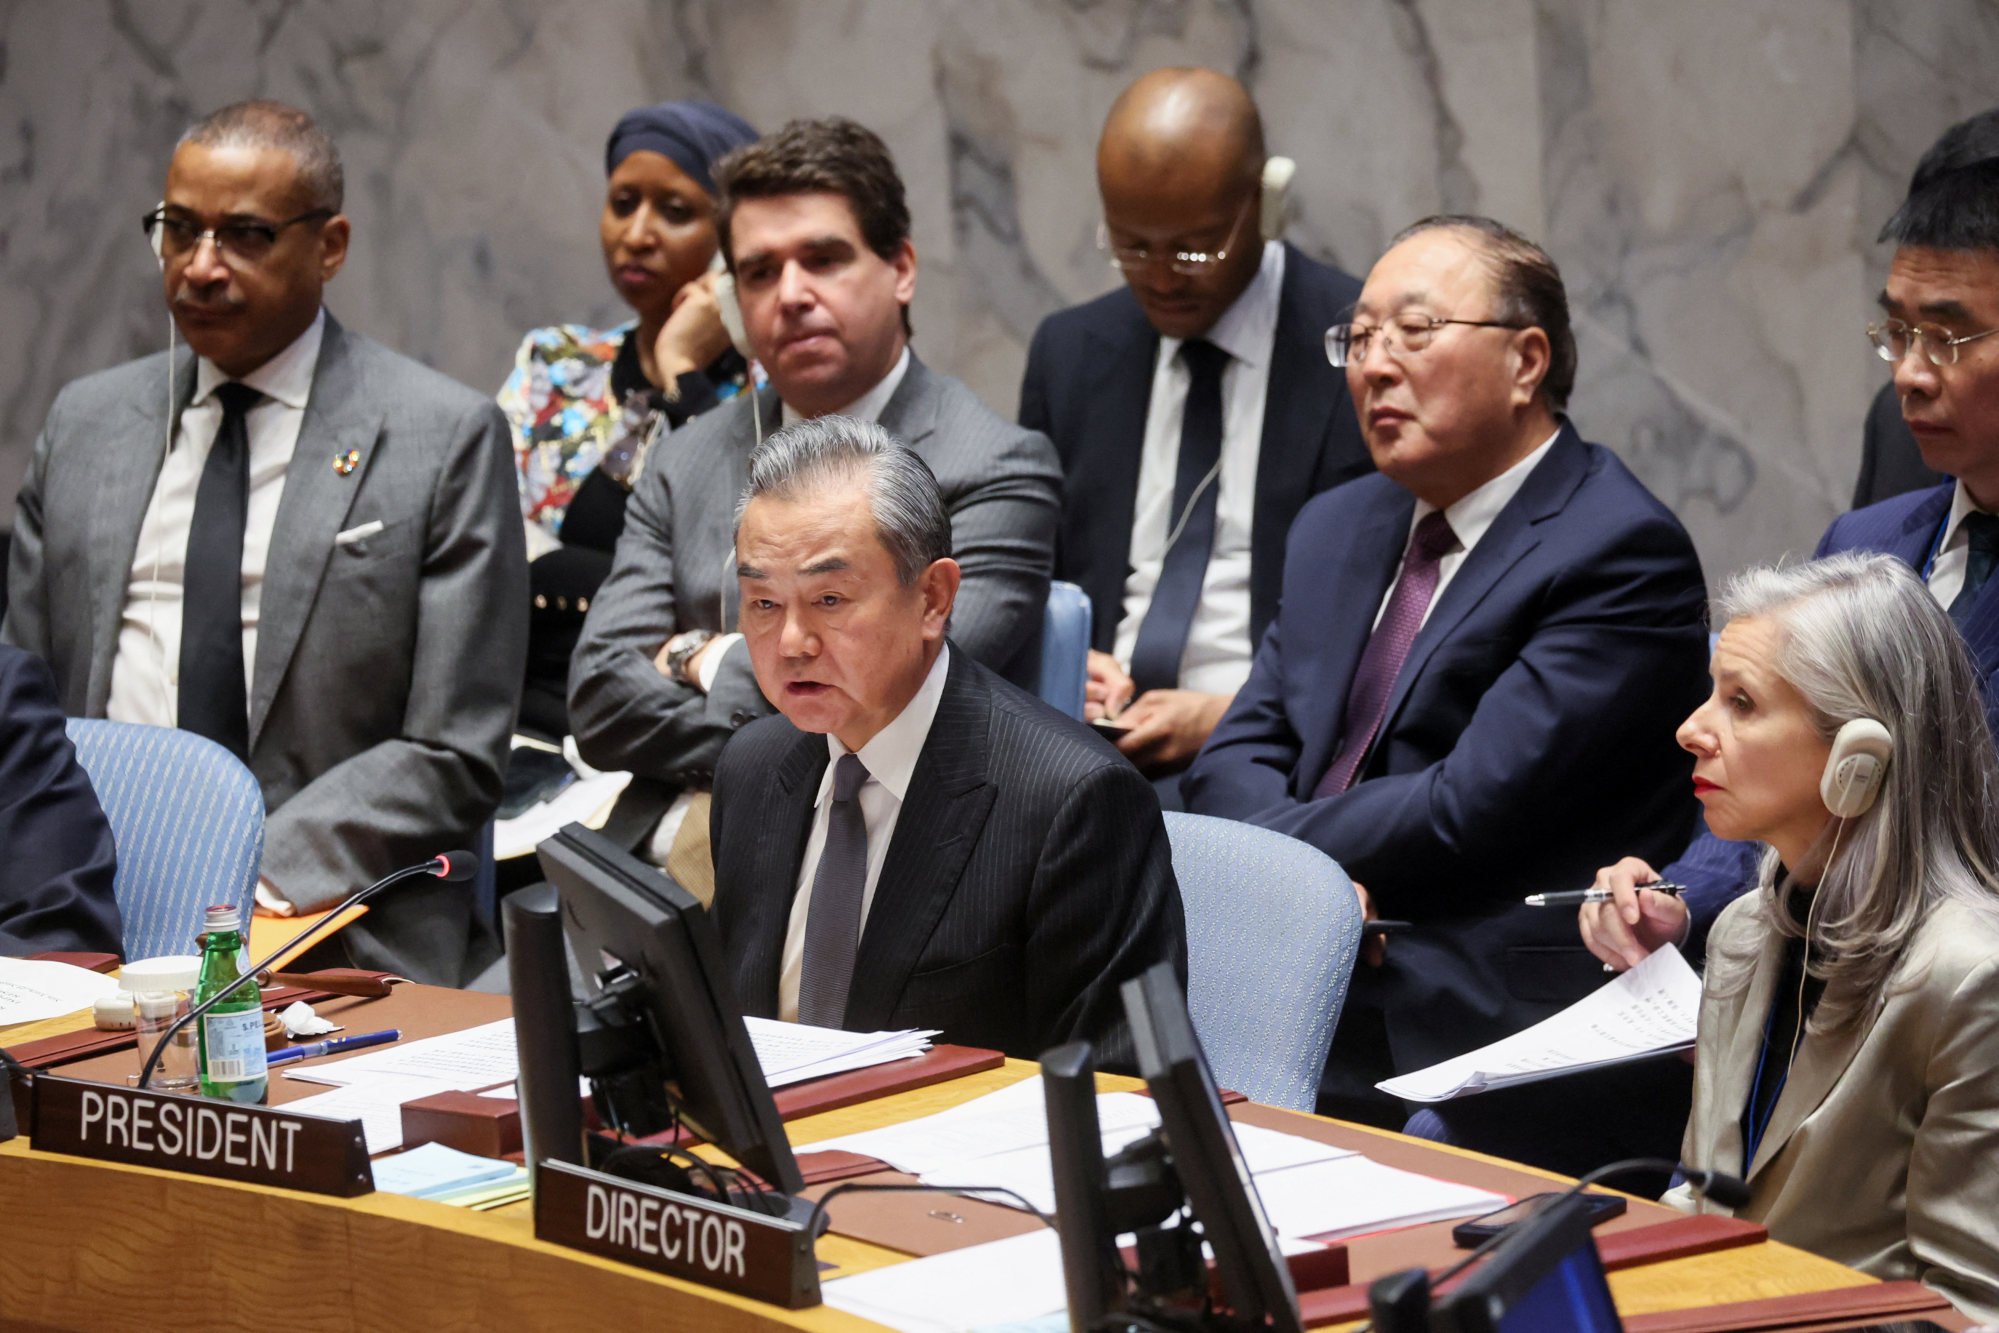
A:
(914, 842)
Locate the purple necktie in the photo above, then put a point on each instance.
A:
(1387, 647)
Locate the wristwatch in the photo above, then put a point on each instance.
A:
(680, 649)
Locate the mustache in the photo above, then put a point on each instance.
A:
(210, 303)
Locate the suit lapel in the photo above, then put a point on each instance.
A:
(1724, 1094)
(1511, 536)
(911, 411)
(119, 513)
(1822, 1058)
(340, 415)
(1295, 420)
(1363, 571)
(940, 822)
(1118, 402)
(778, 836)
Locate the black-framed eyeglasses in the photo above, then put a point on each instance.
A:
(1187, 263)
(1347, 344)
(246, 240)
(1891, 339)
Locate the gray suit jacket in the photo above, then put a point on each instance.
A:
(387, 669)
(676, 570)
(1883, 1148)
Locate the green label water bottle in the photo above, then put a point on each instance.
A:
(232, 1033)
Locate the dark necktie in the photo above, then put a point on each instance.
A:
(1162, 636)
(1982, 532)
(833, 920)
(1388, 647)
(214, 701)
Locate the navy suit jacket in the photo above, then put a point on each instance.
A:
(1528, 738)
(1088, 387)
(1028, 877)
(57, 893)
(1717, 872)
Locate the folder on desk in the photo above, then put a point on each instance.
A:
(270, 932)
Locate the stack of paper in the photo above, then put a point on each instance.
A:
(1309, 1189)
(433, 1170)
(372, 1088)
(794, 1052)
(1650, 1010)
(33, 990)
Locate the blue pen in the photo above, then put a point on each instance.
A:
(332, 1046)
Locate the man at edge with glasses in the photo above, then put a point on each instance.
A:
(294, 542)
(1939, 314)
(1193, 410)
(1471, 688)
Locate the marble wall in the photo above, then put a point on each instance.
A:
(1709, 173)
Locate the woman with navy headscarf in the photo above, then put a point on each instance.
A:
(586, 404)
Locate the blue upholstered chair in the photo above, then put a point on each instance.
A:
(1273, 928)
(1065, 648)
(188, 821)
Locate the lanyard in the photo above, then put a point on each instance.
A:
(1753, 1128)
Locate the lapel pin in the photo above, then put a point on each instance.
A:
(347, 462)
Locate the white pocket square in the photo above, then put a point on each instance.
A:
(357, 534)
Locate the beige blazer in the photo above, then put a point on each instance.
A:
(1883, 1150)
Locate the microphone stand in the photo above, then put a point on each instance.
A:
(450, 866)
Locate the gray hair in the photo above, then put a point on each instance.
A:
(1860, 636)
(809, 456)
(267, 124)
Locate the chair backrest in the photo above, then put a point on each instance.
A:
(1065, 648)
(1273, 929)
(188, 821)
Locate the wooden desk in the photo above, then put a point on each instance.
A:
(87, 1244)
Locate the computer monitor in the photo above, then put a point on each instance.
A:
(1256, 1283)
(1092, 1273)
(1545, 1276)
(659, 1031)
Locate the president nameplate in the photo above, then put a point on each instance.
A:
(715, 1244)
(200, 1136)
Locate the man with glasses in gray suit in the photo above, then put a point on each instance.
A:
(294, 542)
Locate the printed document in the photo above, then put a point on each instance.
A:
(1650, 1010)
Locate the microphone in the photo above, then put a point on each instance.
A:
(453, 867)
(1411, 1288)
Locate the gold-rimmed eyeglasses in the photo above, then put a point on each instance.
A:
(1347, 344)
(1891, 339)
(1187, 263)
(246, 240)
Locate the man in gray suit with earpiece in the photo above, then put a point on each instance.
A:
(294, 542)
(815, 229)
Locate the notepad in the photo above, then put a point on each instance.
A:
(1650, 1010)
(794, 1052)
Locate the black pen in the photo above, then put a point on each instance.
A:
(1577, 897)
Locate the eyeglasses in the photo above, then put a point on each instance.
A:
(1347, 344)
(1891, 338)
(246, 240)
(1187, 263)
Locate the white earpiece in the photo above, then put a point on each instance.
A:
(157, 236)
(1855, 768)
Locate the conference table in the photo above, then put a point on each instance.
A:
(94, 1244)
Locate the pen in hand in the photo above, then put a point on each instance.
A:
(1577, 897)
(333, 1046)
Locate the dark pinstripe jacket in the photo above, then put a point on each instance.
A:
(1029, 875)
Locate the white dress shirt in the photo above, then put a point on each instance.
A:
(868, 407)
(1469, 518)
(145, 674)
(890, 758)
(1948, 569)
(1217, 656)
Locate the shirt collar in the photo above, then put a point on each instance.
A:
(868, 407)
(1247, 330)
(286, 377)
(890, 755)
(1474, 513)
(1961, 507)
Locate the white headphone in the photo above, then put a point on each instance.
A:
(1855, 768)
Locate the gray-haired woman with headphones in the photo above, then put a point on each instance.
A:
(1858, 1092)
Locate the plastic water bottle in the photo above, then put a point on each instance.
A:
(232, 1033)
